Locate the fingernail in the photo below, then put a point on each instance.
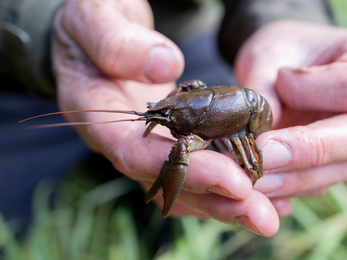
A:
(162, 65)
(221, 191)
(300, 70)
(276, 154)
(269, 183)
(245, 222)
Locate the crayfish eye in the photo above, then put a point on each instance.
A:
(166, 112)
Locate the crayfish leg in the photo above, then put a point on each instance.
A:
(253, 158)
(259, 154)
(173, 172)
(248, 166)
(149, 128)
(229, 145)
(190, 85)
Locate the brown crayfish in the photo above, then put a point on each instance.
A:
(197, 116)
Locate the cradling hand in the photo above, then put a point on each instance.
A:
(107, 56)
(300, 68)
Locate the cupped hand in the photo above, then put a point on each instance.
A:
(107, 56)
(301, 70)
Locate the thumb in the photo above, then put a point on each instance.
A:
(119, 40)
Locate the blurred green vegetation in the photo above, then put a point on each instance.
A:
(340, 9)
(91, 220)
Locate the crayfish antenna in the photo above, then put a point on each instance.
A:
(131, 112)
(84, 123)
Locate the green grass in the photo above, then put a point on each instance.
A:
(91, 224)
(340, 11)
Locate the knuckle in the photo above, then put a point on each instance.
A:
(206, 208)
(302, 184)
(320, 152)
(288, 89)
(316, 146)
(341, 96)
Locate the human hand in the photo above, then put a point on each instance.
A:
(300, 69)
(107, 56)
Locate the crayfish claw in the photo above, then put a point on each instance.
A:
(153, 191)
(171, 179)
(174, 171)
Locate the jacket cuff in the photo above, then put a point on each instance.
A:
(25, 45)
(243, 17)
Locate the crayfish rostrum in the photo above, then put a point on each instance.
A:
(197, 116)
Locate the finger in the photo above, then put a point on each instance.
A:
(119, 39)
(280, 44)
(312, 193)
(321, 88)
(301, 147)
(311, 182)
(256, 213)
(294, 117)
(178, 209)
(282, 206)
(259, 59)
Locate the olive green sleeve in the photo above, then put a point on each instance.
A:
(243, 17)
(25, 30)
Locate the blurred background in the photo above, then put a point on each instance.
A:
(93, 215)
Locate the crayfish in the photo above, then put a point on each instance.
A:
(197, 116)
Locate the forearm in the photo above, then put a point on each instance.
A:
(25, 28)
(243, 17)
